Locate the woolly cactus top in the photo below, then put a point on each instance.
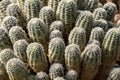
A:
(71, 75)
(42, 75)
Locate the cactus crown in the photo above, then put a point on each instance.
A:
(42, 76)
(71, 75)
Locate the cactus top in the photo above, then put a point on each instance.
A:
(71, 75)
(42, 76)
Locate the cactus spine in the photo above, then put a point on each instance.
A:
(78, 36)
(42, 76)
(72, 57)
(71, 75)
(37, 58)
(20, 47)
(80, 4)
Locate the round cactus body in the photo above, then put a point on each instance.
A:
(94, 42)
(55, 34)
(32, 77)
(101, 23)
(56, 51)
(20, 47)
(56, 70)
(72, 58)
(2, 67)
(17, 33)
(47, 15)
(66, 13)
(97, 33)
(8, 22)
(59, 78)
(16, 69)
(71, 75)
(90, 62)
(99, 13)
(42, 76)
(37, 58)
(111, 9)
(78, 36)
(56, 25)
(80, 4)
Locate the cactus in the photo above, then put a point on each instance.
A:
(32, 77)
(20, 47)
(100, 5)
(43, 3)
(14, 10)
(31, 9)
(56, 25)
(110, 24)
(85, 21)
(99, 13)
(66, 13)
(110, 50)
(78, 36)
(2, 67)
(91, 5)
(6, 55)
(101, 23)
(37, 58)
(71, 75)
(55, 34)
(80, 4)
(97, 33)
(42, 76)
(8, 22)
(16, 69)
(56, 51)
(72, 57)
(118, 23)
(59, 78)
(56, 70)
(90, 62)
(3, 75)
(114, 74)
(94, 42)
(16, 33)
(47, 15)
(111, 9)
(4, 40)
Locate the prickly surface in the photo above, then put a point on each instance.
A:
(71, 75)
(42, 76)
(59, 78)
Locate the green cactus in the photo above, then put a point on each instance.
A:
(32, 77)
(66, 13)
(4, 40)
(100, 5)
(110, 50)
(101, 23)
(94, 42)
(90, 62)
(8, 22)
(16, 69)
(14, 10)
(56, 70)
(6, 55)
(85, 21)
(37, 58)
(17, 33)
(47, 15)
(91, 5)
(56, 51)
(43, 3)
(78, 36)
(20, 47)
(111, 9)
(2, 67)
(72, 57)
(80, 4)
(59, 78)
(71, 75)
(31, 9)
(99, 13)
(56, 25)
(118, 23)
(42, 76)
(55, 34)
(97, 33)
(114, 74)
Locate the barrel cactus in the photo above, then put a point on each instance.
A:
(111, 9)
(16, 33)
(16, 69)
(78, 36)
(57, 25)
(8, 22)
(37, 58)
(31, 9)
(56, 70)
(3, 75)
(94, 42)
(55, 34)
(56, 51)
(59, 78)
(6, 55)
(72, 57)
(99, 13)
(71, 75)
(118, 23)
(90, 62)
(20, 47)
(80, 4)
(32, 77)
(97, 33)
(42, 76)
(66, 13)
